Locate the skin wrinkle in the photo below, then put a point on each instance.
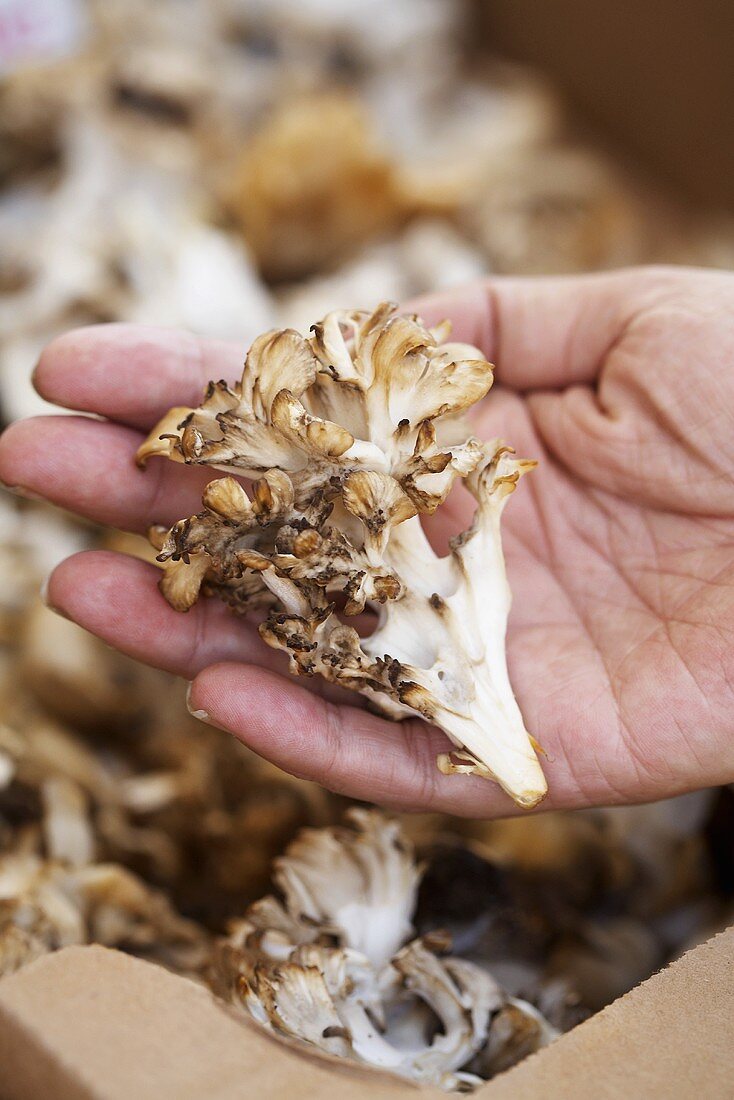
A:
(723, 402)
(603, 358)
(605, 408)
(647, 522)
(617, 334)
(535, 494)
(337, 736)
(582, 533)
(555, 450)
(332, 746)
(648, 771)
(414, 738)
(572, 338)
(667, 618)
(652, 771)
(569, 341)
(692, 745)
(712, 582)
(643, 773)
(623, 575)
(613, 517)
(636, 382)
(673, 613)
(681, 314)
(587, 771)
(663, 414)
(667, 626)
(528, 546)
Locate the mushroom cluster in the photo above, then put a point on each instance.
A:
(353, 434)
(124, 821)
(112, 797)
(54, 893)
(333, 964)
(262, 161)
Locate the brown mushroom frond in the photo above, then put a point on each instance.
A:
(353, 433)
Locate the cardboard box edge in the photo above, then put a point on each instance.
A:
(580, 1050)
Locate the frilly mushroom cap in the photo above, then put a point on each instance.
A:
(351, 435)
(313, 968)
(343, 192)
(360, 882)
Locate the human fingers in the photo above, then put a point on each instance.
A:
(116, 597)
(133, 373)
(88, 466)
(549, 332)
(348, 750)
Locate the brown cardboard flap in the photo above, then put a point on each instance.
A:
(91, 1024)
(671, 1038)
(88, 1023)
(657, 77)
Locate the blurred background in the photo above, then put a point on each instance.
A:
(232, 165)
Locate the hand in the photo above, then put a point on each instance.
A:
(620, 547)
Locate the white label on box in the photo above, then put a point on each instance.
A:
(33, 31)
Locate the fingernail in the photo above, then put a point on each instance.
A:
(200, 714)
(43, 594)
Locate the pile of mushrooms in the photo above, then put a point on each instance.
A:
(63, 898)
(126, 822)
(175, 168)
(122, 819)
(108, 784)
(334, 965)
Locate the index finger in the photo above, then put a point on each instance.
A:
(540, 333)
(133, 373)
(548, 332)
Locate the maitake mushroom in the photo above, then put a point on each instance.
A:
(98, 751)
(333, 965)
(53, 893)
(353, 433)
(312, 186)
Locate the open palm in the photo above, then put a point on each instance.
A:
(620, 547)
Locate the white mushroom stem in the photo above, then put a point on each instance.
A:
(449, 635)
(356, 432)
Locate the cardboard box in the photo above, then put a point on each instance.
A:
(656, 77)
(88, 1023)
